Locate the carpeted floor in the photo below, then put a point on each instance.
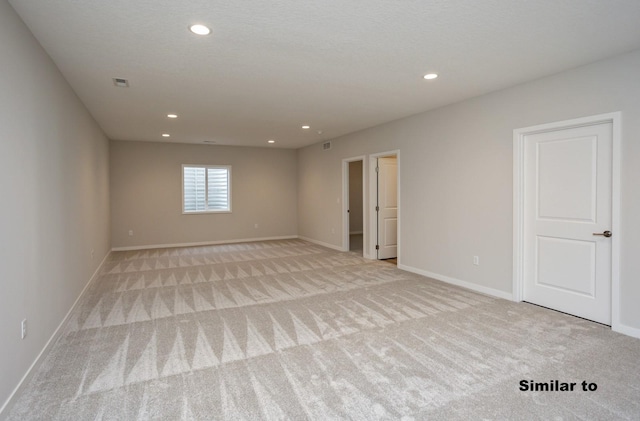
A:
(291, 330)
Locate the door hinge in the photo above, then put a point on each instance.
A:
(377, 247)
(377, 169)
(377, 208)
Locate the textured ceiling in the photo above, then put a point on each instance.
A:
(340, 66)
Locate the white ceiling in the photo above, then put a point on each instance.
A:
(340, 66)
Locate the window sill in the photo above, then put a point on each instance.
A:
(205, 212)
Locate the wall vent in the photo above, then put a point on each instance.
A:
(326, 146)
(121, 83)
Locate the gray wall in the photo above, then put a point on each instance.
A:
(456, 172)
(54, 185)
(146, 194)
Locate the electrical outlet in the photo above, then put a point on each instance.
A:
(255, 226)
(333, 230)
(24, 328)
(130, 233)
(476, 260)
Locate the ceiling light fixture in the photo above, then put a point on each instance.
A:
(200, 29)
(306, 127)
(271, 141)
(172, 115)
(430, 76)
(166, 135)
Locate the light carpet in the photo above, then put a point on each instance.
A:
(291, 330)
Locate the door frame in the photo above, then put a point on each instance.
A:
(373, 221)
(345, 202)
(519, 135)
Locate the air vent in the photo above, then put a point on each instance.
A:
(209, 142)
(121, 83)
(326, 146)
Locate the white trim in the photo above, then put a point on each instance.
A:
(203, 243)
(464, 284)
(47, 347)
(345, 200)
(616, 158)
(371, 249)
(208, 212)
(615, 119)
(322, 243)
(626, 330)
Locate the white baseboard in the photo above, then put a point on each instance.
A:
(4, 410)
(203, 243)
(626, 330)
(616, 327)
(321, 243)
(464, 284)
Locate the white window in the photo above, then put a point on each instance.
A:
(206, 188)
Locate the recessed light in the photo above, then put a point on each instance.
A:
(430, 76)
(166, 135)
(271, 141)
(200, 29)
(172, 115)
(306, 127)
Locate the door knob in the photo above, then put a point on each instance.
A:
(606, 233)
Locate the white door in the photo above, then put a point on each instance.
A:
(568, 188)
(387, 207)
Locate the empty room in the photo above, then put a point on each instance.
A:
(329, 210)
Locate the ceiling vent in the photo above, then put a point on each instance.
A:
(326, 146)
(121, 83)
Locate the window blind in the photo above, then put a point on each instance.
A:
(218, 188)
(206, 189)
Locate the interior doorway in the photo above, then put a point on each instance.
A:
(353, 175)
(355, 206)
(385, 197)
(566, 201)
